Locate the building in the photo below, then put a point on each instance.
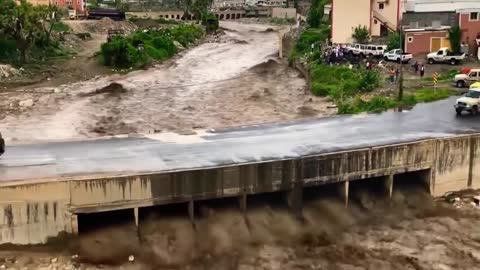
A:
(228, 3)
(39, 2)
(427, 23)
(379, 16)
(78, 5)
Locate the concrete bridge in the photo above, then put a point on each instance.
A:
(180, 15)
(47, 189)
(33, 211)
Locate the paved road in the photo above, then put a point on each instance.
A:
(158, 153)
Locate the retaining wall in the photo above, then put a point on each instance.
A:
(30, 213)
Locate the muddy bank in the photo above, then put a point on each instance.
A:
(216, 84)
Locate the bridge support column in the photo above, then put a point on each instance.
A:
(295, 199)
(191, 212)
(243, 203)
(343, 190)
(389, 185)
(135, 215)
(74, 224)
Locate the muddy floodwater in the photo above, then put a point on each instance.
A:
(409, 231)
(230, 80)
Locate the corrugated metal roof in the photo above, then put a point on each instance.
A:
(441, 5)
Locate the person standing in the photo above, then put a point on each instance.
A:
(392, 75)
(422, 71)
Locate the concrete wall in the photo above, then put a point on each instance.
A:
(284, 13)
(32, 212)
(470, 30)
(425, 19)
(348, 14)
(421, 42)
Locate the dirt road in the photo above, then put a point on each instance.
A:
(236, 79)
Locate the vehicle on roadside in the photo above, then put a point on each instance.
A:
(465, 80)
(72, 14)
(100, 13)
(397, 55)
(111, 33)
(444, 55)
(364, 50)
(470, 102)
(2, 145)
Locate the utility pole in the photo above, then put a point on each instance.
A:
(400, 80)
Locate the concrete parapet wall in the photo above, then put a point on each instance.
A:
(33, 212)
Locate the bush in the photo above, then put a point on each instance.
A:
(158, 45)
(311, 36)
(8, 50)
(164, 43)
(61, 27)
(210, 21)
(376, 104)
(162, 20)
(361, 34)
(186, 34)
(369, 80)
(322, 89)
(120, 53)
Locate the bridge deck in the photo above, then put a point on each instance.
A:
(121, 156)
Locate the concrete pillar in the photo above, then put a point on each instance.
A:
(135, 215)
(191, 212)
(74, 224)
(389, 185)
(295, 199)
(343, 191)
(243, 203)
(430, 182)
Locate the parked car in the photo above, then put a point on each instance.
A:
(100, 13)
(397, 55)
(444, 55)
(2, 145)
(363, 50)
(465, 80)
(469, 102)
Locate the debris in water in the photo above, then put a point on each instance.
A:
(112, 88)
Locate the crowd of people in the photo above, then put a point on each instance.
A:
(337, 54)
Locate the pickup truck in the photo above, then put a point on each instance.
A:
(2, 145)
(470, 102)
(397, 55)
(465, 80)
(444, 55)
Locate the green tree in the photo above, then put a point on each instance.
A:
(200, 7)
(455, 36)
(315, 14)
(210, 21)
(394, 41)
(21, 22)
(50, 17)
(361, 34)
